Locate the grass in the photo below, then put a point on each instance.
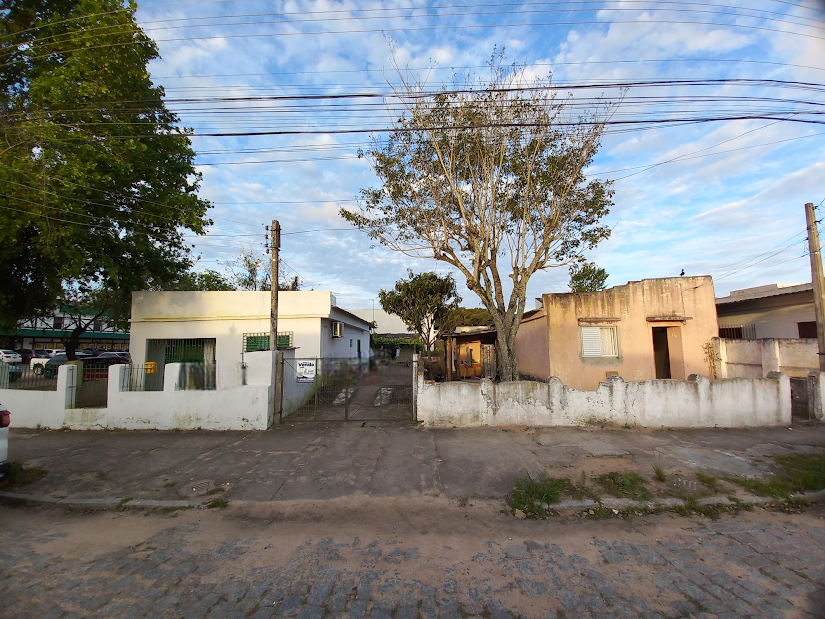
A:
(627, 484)
(213, 491)
(21, 476)
(659, 472)
(171, 484)
(709, 480)
(217, 503)
(803, 472)
(529, 494)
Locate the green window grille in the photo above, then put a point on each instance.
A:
(253, 342)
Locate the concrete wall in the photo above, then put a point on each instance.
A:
(694, 403)
(226, 316)
(533, 346)
(757, 358)
(45, 409)
(686, 306)
(232, 406)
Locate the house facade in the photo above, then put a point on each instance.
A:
(649, 329)
(222, 327)
(772, 311)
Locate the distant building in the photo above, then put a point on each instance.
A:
(385, 322)
(52, 331)
(772, 311)
(654, 328)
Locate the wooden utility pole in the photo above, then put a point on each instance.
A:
(818, 281)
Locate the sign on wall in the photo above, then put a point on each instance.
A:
(305, 371)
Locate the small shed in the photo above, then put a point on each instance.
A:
(471, 352)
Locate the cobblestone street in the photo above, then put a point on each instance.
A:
(220, 563)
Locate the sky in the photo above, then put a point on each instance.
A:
(724, 198)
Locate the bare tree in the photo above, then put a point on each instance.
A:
(489, 172)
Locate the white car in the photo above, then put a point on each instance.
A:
(5, 420)
(9, 356)
(54, 351)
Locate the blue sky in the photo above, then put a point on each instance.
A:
(725, 199)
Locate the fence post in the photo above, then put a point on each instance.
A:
(4, 375)
(415, 386)
(279, 387)
(67, 383)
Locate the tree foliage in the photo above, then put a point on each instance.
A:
(421, 301)
(97, 183)
(465, 317)
(486, 173)
(587, 277)
(248, 271)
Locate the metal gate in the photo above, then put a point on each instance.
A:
(347, 390)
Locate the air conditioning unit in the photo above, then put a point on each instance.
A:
(337, 329)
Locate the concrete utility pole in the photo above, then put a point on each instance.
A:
(818, 281)
(275, 244)
(273, 322)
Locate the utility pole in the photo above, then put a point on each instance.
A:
(273, 322)
(275, 244)
(818, 281)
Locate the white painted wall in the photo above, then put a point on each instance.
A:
(44, 409)
(694, 403)
(387, 323)
(226, 316)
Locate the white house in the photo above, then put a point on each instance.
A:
(169, 327)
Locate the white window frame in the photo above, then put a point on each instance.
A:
(600, 342)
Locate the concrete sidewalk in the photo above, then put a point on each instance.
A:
(320, 462)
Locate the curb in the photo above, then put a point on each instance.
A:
(620, 504)
(108, 502)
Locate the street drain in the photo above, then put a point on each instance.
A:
(197, 488)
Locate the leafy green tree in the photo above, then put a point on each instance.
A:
(421, 301)
(465, 317)
(482, 173)
(97, 183)
(207, 281)
(587, 277)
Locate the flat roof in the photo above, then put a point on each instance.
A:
(763, 292)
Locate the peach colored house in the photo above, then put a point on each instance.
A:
(655, 328)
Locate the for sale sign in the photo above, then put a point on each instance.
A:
(306, 371)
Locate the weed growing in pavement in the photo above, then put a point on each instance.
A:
(171, 484)
(21, 476)
(710, 481)
(217, 503)
(213, 491)
(627, 484)
(803, 472)
(532, 495)
(659, 472)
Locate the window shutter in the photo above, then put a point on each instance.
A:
(609, 346)
(591, 342)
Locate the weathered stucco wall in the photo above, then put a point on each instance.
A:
(41, 409)
(694, 403)
(533, 346)
(757, 358)
(685, 305)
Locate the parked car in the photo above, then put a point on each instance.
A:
(50, 369)
(51, 352)
(5, 420)
(40, 353)
(9, 356)
(15, 372)
(84, 352)
(122, 356)
(97, 368)
(26, 354)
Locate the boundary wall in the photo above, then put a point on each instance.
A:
(694, 403)
(758, 358)
(243, 400)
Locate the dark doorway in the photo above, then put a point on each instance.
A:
(661, 353)
(807, 329)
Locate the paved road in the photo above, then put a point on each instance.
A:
(409, 560)
(327, 461)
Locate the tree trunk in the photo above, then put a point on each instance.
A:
(73, 342)
(508, 364)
